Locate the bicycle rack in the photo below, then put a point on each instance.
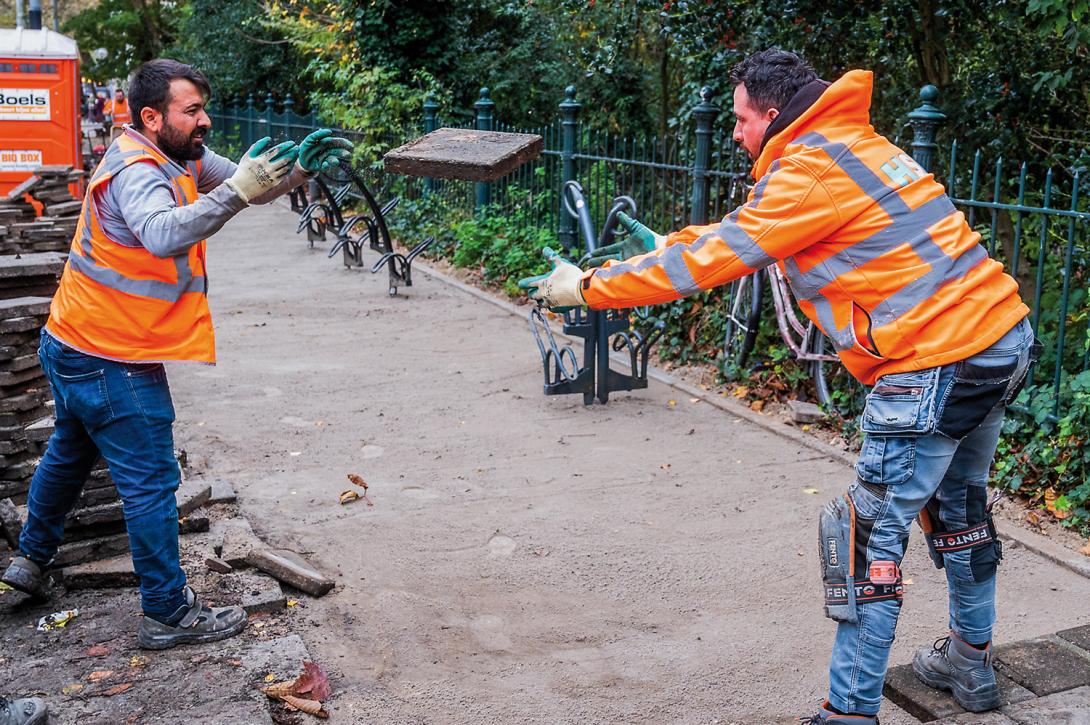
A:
(594, 379)
(298, 199)
(323, 212)
(378, 235)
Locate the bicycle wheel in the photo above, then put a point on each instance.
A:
(743, 319)
(836, 388)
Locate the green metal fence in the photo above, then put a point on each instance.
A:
(1033, 220)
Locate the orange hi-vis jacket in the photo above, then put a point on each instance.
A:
(122, 302)
(874, 250)
(119, 111)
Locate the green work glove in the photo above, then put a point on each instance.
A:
(321, 151)
(559, 290)
(638, 240)
(262, 168)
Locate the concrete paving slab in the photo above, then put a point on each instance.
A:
(1044, 665)
(105, 574)
(466, 154)
(1071, 707)
(928, 704)
(1078, 636)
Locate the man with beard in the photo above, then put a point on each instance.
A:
(132, 296)
(883, 262)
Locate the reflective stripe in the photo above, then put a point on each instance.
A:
(678, 272)
(843, 338)
(886, 196)
(140, 287)
(910, 228)
(941, 274)
(759, 189)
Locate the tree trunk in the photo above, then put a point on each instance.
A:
(155, 41)
(929, 41)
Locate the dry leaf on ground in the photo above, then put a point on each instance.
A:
(305, 692)
(1085, 551)
(358, 480)
(348, 496)
(115, 690)
(99, 675)
(97, 650)
(310, 707)
(314, 681)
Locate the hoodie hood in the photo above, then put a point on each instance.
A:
(845, 102)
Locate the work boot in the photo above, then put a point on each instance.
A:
(954, 665)
(198, 624)
(26, 576)
(827, 716)
(29, 711)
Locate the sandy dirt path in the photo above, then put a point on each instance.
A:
(527, 559)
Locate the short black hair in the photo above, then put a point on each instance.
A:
(772, 77)
(149, 86)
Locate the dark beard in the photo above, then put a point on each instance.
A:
(178, 146)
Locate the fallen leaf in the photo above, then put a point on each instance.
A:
(115, 690)
(741, 391)
(671, 403)
(757, 405)
(280, 689)
(292, 602)
(99, 675)
(805, 428)
(4, 587)
(310, 707)
(270, 677)
(1052, 502)
(69, 690)
(97, 650)
(1085, 551)
(358, 480)
(138, 661)
(314, 681)
(348, 496)
(907, 582)
(810, 490)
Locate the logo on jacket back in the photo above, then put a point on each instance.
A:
(24, 104)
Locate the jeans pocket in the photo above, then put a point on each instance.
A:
(886, 460)
(151, 392)
(86, 396)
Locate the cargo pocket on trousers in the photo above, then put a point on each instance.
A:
(899, 409)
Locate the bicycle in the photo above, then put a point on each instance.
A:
(834, 386)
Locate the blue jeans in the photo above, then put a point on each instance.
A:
(930, 439)
(122, 411)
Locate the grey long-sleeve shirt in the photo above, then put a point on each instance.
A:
(137, 207)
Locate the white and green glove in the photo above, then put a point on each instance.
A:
(559, 289)
(639, 240)
(262, 168)
(321, 151)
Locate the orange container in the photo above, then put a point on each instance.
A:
(39, 103)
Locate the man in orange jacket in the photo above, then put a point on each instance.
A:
(118, 112)
(134, 295)
(880, 259)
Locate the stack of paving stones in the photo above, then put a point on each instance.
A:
(1041, 680)
(21, 232)
(96, 528)
(24, 392)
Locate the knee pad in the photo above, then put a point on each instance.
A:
(848, 578)
(978, 537)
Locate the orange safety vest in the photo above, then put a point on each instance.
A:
(874, 250)
(124, 303)
(119, 111)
